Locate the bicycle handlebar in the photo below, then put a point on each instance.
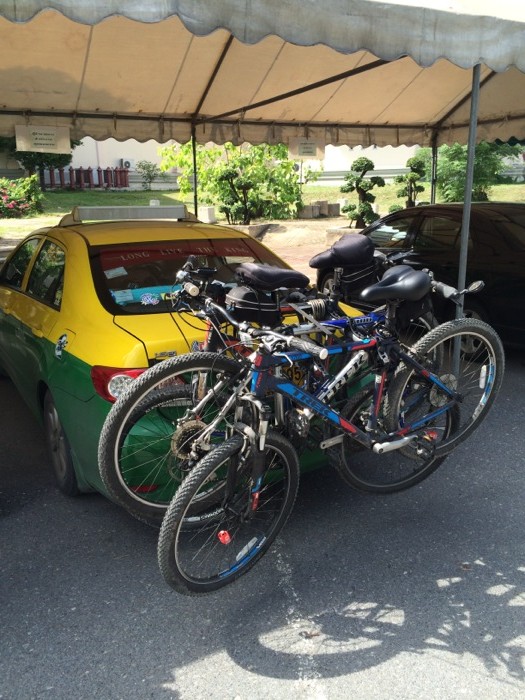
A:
(446, 291)
(307, 346)
(295, 343)
(453, 294)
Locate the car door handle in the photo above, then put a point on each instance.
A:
(38, 332)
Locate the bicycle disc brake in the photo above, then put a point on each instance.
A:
(437, 397)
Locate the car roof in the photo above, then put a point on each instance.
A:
(486, 208)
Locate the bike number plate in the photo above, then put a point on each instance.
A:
(295, 374)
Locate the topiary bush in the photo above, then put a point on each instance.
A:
(395, 207)
(363, 212)
(18, 198)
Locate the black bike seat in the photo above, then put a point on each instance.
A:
(270, 278)
(351, 250)
(399, 283)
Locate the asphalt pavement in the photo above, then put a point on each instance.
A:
(418, 594)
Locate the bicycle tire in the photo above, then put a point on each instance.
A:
(137, 457)
(417, 329)
(471, 360)
(364, 470)
(184, 536)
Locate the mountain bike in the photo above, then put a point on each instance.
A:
(142, 463)
(237, 497)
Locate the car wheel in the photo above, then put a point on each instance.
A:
(326, 283)
(472, 309)
(59, 449)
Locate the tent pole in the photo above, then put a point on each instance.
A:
(433, 172)
(194, 156)
(471, 152)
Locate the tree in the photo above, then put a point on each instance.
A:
(355, 181)
(149, 172)
(410, 182)
(34, 162)
(247, 182)
(488, 164)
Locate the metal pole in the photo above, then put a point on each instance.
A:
(194, 154)
(433, 172)
(471, 152)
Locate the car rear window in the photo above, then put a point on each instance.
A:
(136, 279)
(392, 233)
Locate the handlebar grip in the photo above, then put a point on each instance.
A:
(191, 289)
(445, 290)
(309, 347)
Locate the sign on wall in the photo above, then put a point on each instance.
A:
(43, 139)
(305, 149)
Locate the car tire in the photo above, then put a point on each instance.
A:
(326, 283)
(472, 309)
(59, 449)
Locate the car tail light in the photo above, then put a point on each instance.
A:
(110, 382)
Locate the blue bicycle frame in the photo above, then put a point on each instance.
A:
(264, 381)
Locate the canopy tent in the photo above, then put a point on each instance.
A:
(355, 72)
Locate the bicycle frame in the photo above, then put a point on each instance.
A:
(264, 381)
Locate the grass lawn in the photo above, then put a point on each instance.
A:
(58, 203)
(386, 196)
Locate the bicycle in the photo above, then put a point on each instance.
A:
(140, 465)
(236, 499)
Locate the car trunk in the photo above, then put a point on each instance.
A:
(163, 335)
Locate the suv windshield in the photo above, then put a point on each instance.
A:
(136, 279)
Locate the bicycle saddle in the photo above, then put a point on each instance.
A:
(401, 282)
(351, 249)
(269, 278)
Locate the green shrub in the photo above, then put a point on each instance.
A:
(20, 198)
(245, 182)
(362, 213)
(395, 207)
(411, 183)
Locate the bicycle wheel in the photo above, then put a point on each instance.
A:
(146, 438)
(467, 356)
(203, 549)
(417, 328)
(390, 472)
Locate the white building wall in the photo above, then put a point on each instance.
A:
(109, 153)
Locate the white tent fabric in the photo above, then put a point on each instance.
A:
(386, 73)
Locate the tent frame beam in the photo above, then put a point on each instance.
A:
(298, 91)
(115, 117)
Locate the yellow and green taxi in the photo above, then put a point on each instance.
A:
(84, 310)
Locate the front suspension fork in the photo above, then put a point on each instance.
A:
(257, 449)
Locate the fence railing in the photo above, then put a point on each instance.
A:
(84, 178)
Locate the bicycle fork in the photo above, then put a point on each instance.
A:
(256, 446)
